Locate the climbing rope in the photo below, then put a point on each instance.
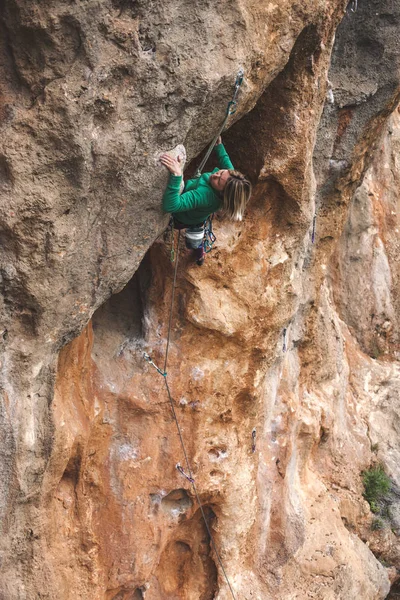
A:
(189, 474)
(172, 303)
(171, 224)
(230, 110)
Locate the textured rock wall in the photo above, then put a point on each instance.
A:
(92, 504)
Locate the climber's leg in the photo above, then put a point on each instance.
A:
(194, 240)
(200, 255)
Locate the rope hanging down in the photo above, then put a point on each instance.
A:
(230, 110)
(188, 474)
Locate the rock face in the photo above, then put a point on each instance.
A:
(284, 357)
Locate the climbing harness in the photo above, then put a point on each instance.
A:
(195, 236)
(230, 110)
(188, 474)
(209, 236)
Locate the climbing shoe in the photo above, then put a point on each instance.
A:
(200, 261)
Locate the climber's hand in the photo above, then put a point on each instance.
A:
(173, 164)
(219, 141)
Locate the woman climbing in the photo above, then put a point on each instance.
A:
(223, 189)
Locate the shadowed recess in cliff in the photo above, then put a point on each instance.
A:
(125, 594)
(258, 143)
(73, 468)
(186, 569)
(394, 592)
(119, 323)
(177, 502)
(284, 208)
(250, 139)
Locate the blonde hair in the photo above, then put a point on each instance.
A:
(236, 195)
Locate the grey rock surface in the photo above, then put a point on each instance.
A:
(91, 93)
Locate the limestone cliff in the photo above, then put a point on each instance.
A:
(284, 357)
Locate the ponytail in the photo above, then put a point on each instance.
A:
(236, 195)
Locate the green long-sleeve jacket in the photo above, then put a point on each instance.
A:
(199, 200)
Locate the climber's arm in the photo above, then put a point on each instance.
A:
(224, 162)
(174, 202)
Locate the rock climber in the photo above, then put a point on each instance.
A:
(224, 189)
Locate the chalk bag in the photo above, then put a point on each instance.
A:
(194, 237)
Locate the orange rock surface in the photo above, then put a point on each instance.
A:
(283, 362)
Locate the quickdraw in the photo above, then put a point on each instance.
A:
(182, 472)
(232, 105)
(148, 359)
(209, 236)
